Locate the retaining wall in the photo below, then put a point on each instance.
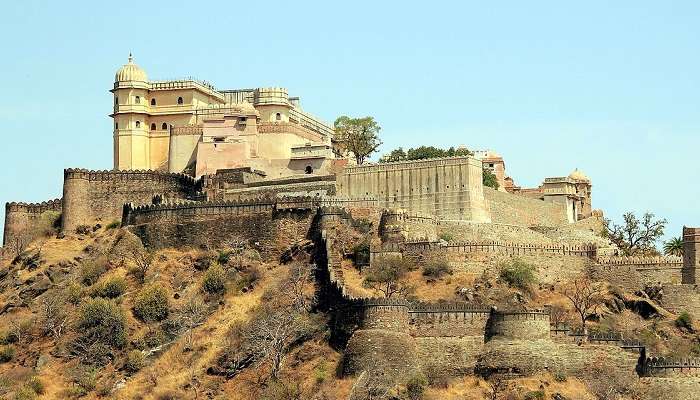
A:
(638, 272)
(507, 208)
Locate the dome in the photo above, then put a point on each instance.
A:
(579, 176)
(130, 72)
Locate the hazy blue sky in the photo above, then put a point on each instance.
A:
(608, 87)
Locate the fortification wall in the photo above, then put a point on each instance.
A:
(211, 224)
(435, 320)
(691, 254)
(507, 208)
(510, 249)
(98, 196)
(448, 356)
(25, 222)
(663, 367)
(679, 298)
(521, 325)
(319, 186)
(638, 272)
(398, 225)
(384, 314)
(447, 188)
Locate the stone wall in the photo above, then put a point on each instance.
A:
(637, 272)
(663, 367)
(691, 254)
(679, 298)
(25, 222)
(98, 196)
(300, 186)
(523, 325)
(507, 208)
(447, 188)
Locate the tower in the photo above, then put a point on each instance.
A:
(691, 254)
(131, 122)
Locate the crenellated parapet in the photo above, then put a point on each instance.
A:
(24, 222)
(153, 213)
(519, 325)
(33, 208)
(508, 248)
(127, 175)
(667, 367)
(640, 261)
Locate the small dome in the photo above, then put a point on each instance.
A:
(130, 72)
(579, 176)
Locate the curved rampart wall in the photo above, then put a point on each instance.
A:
(663, 367)
(521, 325)
(98, 196)
(24, 222)
(446, 321)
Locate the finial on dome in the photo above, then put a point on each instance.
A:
(131, 58)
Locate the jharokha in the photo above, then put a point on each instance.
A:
(194, 165)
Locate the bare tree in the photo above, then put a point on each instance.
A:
(586, 297)
(129, 247)
(193, 314)
(54, 316)
(370, 385)
(558, 315)
(497, 385)
(384, 275)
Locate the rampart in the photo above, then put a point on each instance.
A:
(664, 367)
(25, 222)
(297, 186)
(522, 325)
(98, 196)
(447, 188)
(638, 272)
(691, 254)
(512, 249)
(399, 225)
(507, 208)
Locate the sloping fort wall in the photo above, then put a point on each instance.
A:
(98, 196)
(24, 223)
(447, 188)
(507, 208)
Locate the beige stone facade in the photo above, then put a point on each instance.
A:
(188, 125)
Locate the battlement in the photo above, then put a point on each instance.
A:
(640, 261)
(271, 96)
(432, 162)
(520, 325)
(33, 208)
(136, 214)
(666, 367)
(127, 175)
(589, 250)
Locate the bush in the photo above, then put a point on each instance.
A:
(36, 384)
(560, 377)
(518, 274)
(74, 293)
(113, 225)
(684, 321)
(415, 388)
(205, 259)
(437, 268)
(83, 229)
(535, 395)
(321, 373)
(214, 280)
(102, 320)
(446, 236)
(248, 278)
(91, 271)
(25, 393)
(6, 353)
(8, 337)
(152, 303)
(134, 361)
(111, 288)
(224, 256)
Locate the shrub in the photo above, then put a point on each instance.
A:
(224, 256)
(321, 373)
(204, 260)
(446, 236)
(437, 268)
(113, 225)
(415, 387)
(83, 229)
(153, 338)
(102, 320)
(518, 274)
(684, 321)
(74, 293)
(91, 271)
(111, 288)
(152, 303)
(8, 337)
(36, 384)
(6, 353)
(360, 253)
(25, 393)
(362, 225)
(560, 377)
(535, 395)
(214, 280)
(134, 361)
(248, 278)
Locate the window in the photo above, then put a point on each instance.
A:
(308, 168)
(116, 101)
(153, 127)
(242, 120)
(218, 139)
(165, 126)
(278, 117)
(179, 100)
(138, 100)
(138, 124)
(116, 125)
(153, 102)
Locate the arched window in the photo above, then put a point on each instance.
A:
(308, 169)
(179, 100)
(138, 124)
(116, 101)
(165, 126)
(116, 125)
(138, 100)
(153, 127)
(153, 102)
(278, 117)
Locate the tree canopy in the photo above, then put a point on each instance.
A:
(360, 136)
(422, 153)
(489, 179)
(635, 236)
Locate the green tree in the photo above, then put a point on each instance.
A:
(360, 136)
(674, 247)
(395, 155)
(384, 275)
(489, 179)
(636, 236)
(423, 153)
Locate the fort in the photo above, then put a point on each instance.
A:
(200, 167)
